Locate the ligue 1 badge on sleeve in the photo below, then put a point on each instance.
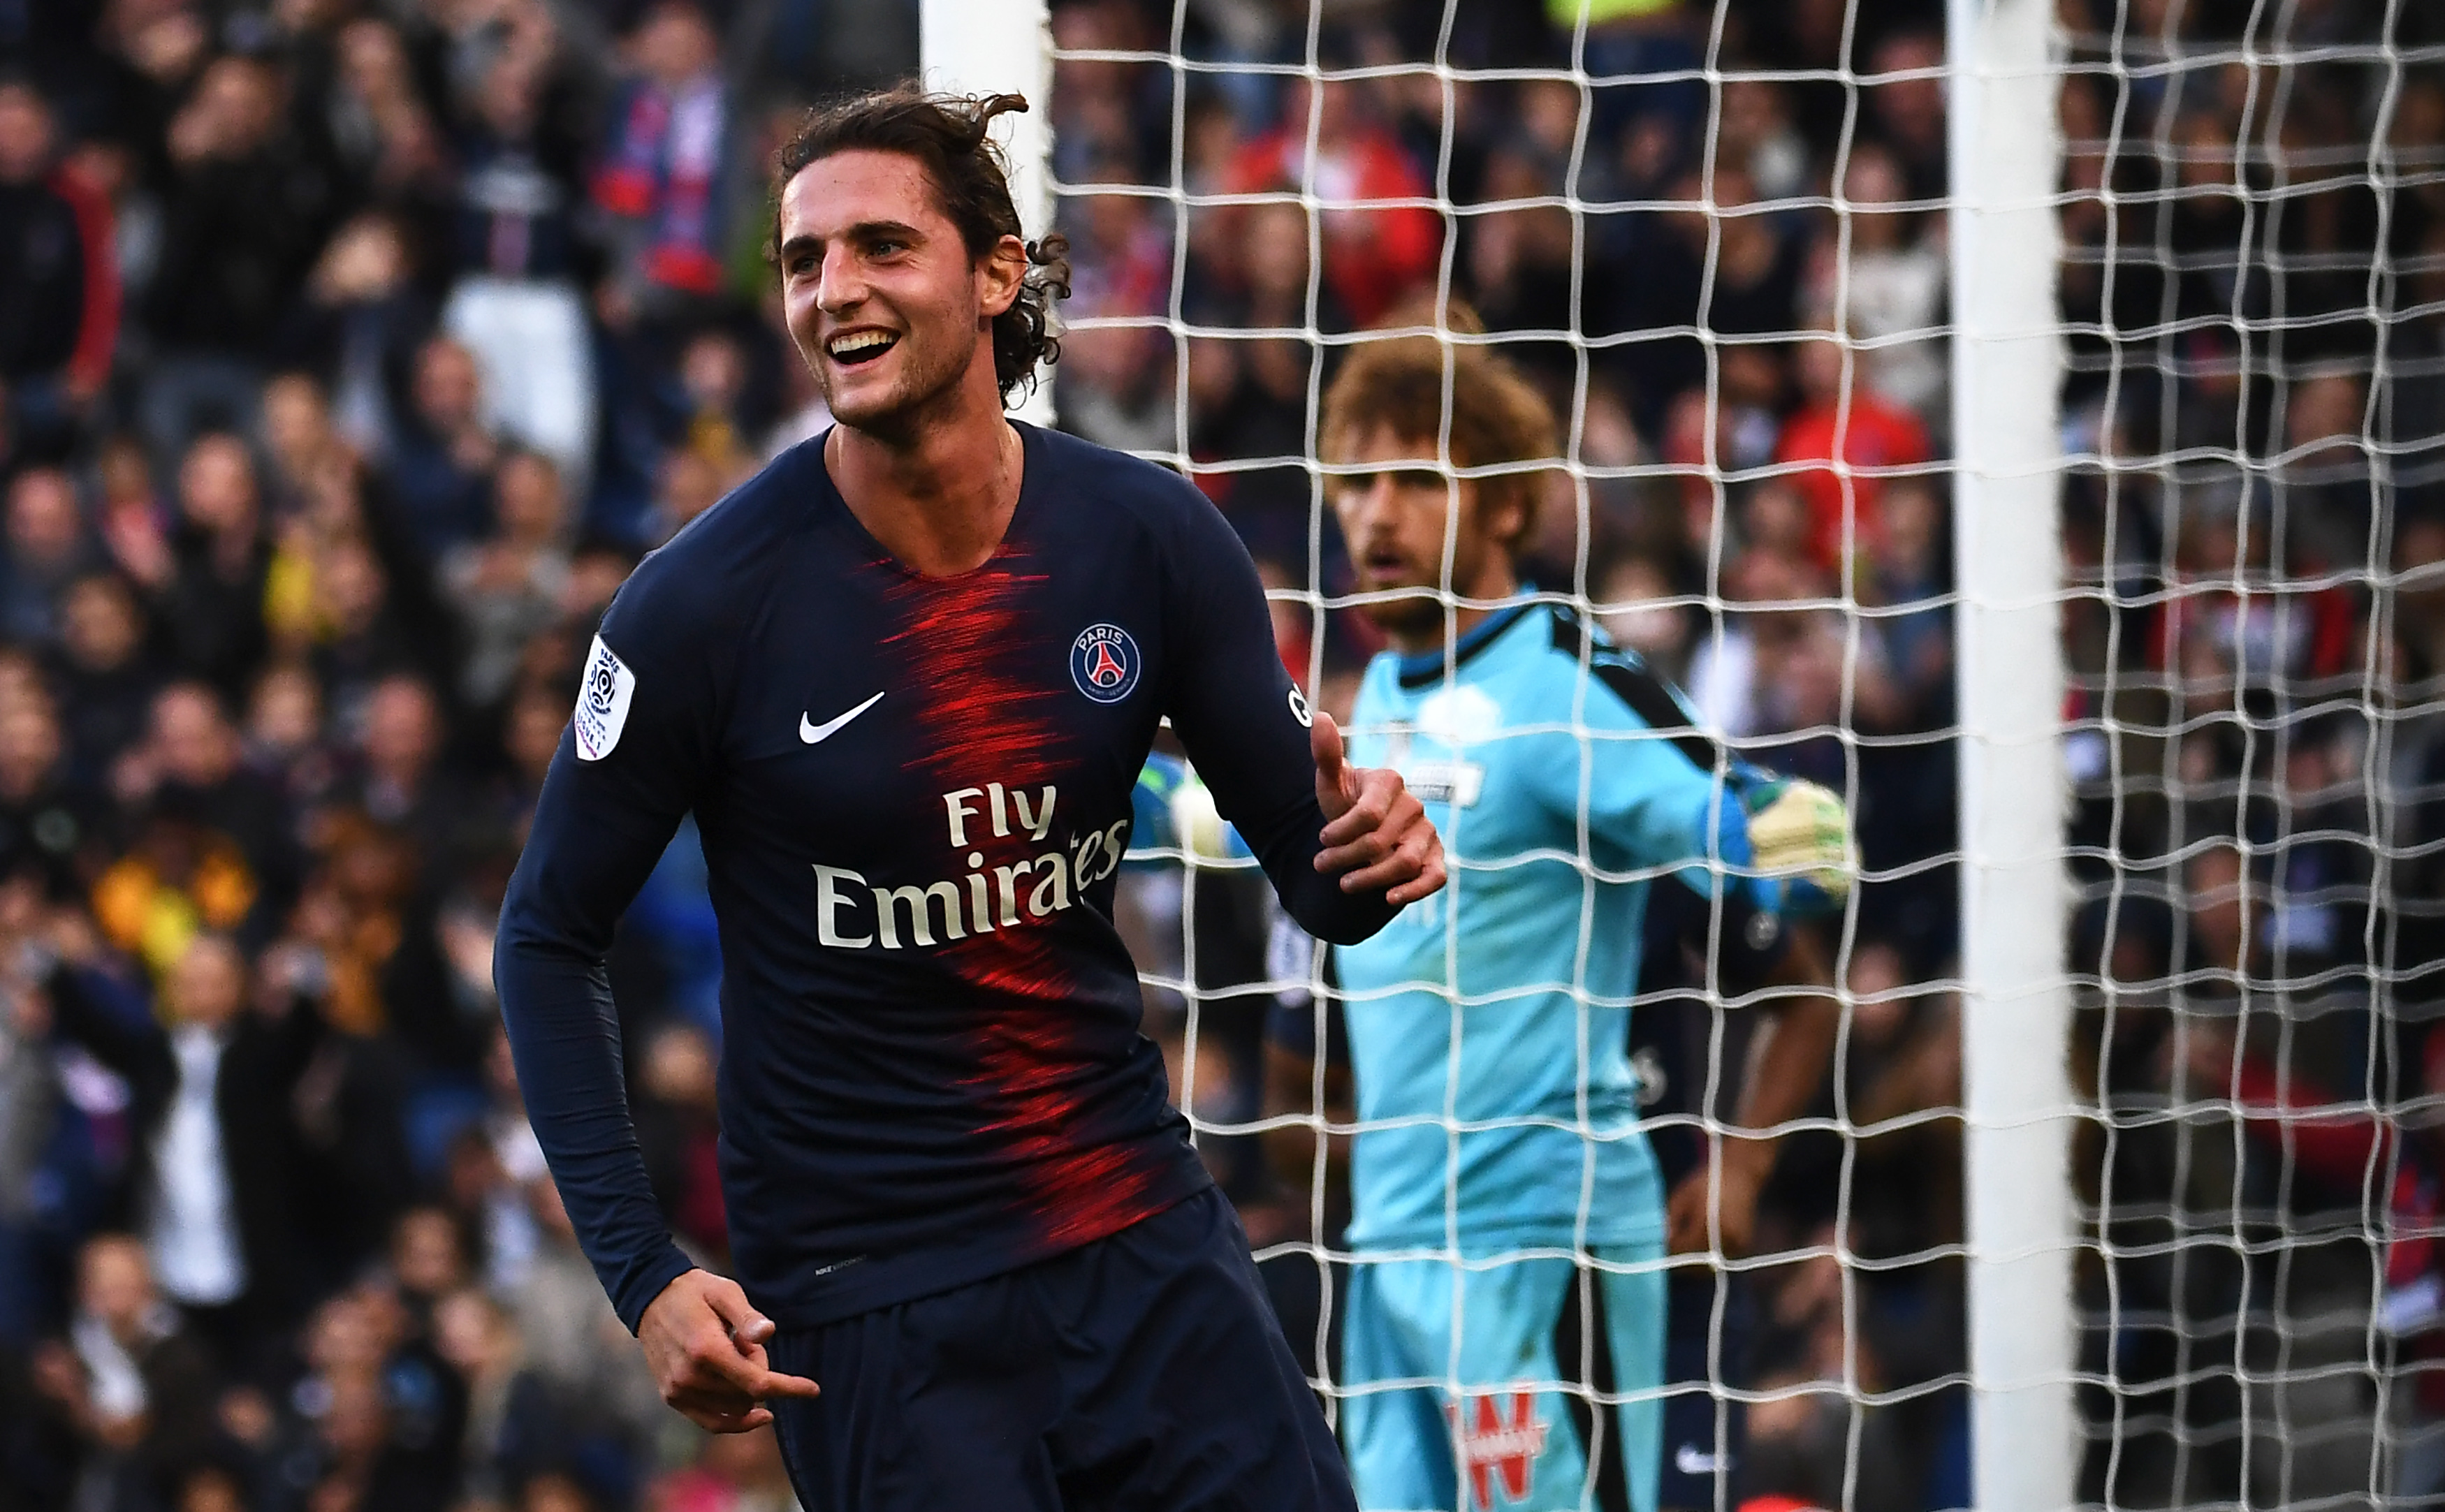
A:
(1105, 664)
(602, 703)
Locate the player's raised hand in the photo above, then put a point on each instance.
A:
(1376, 833)
(705, 1345)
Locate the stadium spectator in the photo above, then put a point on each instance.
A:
(1845, 440)
(665, 163)
(210, 600)
(1887, 290)
(377, 124)
(1904, 94)
(516, 301)
(358, 325)
(214, 1173)
(678, 1130)
(59, 286)
(574, 1337)
(107, 678)
(138, 1388)
(47, 547)
(1373, 252)
(443, 462)
(244, 212)
(509, 585)
(516, 1425)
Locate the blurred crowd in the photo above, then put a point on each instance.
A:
(352, 352)
(2253, 287)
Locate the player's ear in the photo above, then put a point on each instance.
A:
(999, 275)
(1511, 518)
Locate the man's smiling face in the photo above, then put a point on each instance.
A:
(883, 300)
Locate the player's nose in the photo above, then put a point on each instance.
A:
(1372, 505)
(840, 283)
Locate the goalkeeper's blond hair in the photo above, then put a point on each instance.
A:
(1497, 414)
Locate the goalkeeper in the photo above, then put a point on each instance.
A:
(1499, 1150)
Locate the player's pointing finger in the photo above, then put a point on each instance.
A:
(1335, 788)
(772, 1383)
(735, 1377)
(1324, 740)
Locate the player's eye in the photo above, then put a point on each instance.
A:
(1356, 485)
(1419, 478)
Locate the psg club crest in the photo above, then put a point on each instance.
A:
(1105, 664)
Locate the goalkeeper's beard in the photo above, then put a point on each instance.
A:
(1414, 621)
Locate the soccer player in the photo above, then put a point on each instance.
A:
(906, 679)
(1500, 1153)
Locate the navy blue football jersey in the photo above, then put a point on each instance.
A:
(914, 794)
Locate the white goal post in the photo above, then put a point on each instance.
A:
(1002, 46)
(2008, 369)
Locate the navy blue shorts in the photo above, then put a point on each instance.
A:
(1706, 1433)
(1142, 1371)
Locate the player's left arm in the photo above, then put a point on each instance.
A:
(1656, 789)
(1346, 846)
(1713, 1209)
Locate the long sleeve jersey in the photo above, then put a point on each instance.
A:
(914, 794)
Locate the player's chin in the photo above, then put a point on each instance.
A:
(865, 401)
(1416, 611)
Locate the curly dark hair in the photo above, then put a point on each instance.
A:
(946, 134)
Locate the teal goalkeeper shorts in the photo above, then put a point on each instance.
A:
(1544, 1346)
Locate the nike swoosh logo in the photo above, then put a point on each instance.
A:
(815, 734)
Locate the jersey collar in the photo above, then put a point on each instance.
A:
(1417, 669)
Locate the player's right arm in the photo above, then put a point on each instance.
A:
(638, 751)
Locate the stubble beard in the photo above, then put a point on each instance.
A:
(901, 412)
(1419, 613)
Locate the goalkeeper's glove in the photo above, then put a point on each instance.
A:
(1203, 832)
(1800, 841)
(1173, 810)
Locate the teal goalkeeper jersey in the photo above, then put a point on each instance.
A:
(1489, 1027)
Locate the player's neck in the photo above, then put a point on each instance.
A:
(940, 494)
(1497, 581)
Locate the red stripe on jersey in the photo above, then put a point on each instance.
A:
(983, 673)
(1029, 1070)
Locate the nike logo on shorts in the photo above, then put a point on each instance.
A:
(815, 734)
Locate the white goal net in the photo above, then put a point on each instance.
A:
(2028, 422)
